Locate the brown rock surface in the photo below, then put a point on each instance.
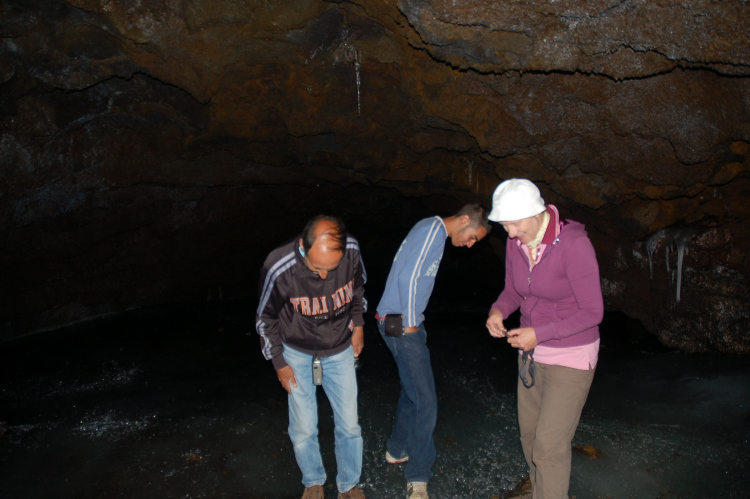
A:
(155, 150)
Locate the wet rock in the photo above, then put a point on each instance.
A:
(153, 152)
(692, 294)
(588, 451)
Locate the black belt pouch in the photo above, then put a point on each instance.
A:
(394, 325)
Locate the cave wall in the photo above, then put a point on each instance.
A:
(156, 150)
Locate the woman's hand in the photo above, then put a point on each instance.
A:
(523, 338)
(495, 324)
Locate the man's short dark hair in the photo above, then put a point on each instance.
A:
(477, 215)
(336, 232)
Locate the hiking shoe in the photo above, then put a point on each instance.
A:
(522, 490)
(353, 493)
(394, 460)
(416, 490)
(314, 492)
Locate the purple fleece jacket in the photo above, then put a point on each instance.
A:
(561, 297)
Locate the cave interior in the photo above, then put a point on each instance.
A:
(153, 152)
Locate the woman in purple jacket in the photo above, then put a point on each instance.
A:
(552, 275)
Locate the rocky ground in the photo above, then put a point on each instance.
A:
(178, 402)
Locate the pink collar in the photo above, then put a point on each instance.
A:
(554, 227)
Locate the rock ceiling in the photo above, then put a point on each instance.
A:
(155, 150)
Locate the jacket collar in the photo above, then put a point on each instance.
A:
(303, 268)
(553, 229)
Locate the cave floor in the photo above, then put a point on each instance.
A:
(178, 402)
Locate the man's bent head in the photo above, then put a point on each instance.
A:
(322, 243)
(473, 225)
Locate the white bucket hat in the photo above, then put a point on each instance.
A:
(516, 199)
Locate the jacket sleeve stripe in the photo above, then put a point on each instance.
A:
(266, 349)
(352, 243)
(417, 271)
(268, 286)
(273, 273)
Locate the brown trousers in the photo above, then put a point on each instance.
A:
(548, 415)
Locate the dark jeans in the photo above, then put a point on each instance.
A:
(416, 414)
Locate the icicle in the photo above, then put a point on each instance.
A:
(678, 237)
(356, 70)
(651, 244)
(346, 52)
(680, 243)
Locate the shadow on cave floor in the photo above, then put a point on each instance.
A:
(178, 402)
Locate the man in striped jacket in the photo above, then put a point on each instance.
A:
(405, 298)
(310, 322)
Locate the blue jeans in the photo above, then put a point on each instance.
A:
(340, 385)
(416, 414)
